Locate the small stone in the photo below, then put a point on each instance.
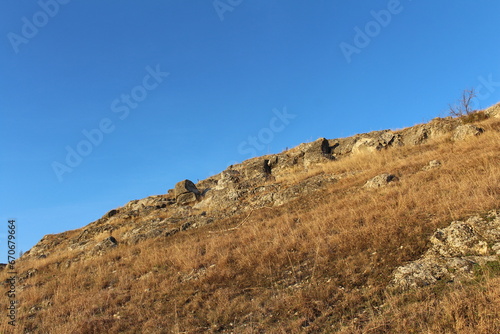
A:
(432, 164)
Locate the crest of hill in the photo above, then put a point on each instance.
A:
(252, 184)
(382, 232)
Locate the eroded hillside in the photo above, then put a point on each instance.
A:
(305, 241)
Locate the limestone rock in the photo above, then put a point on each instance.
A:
(458, 239)
(151, 202)
(229, 178)
(416, 135)
(343, 146)
(364, 145)
(186, 192)
(493, 111)
(185, 186)
(106, 244)
(466, 131)
(421, 133)
(381, 180)
(432, 165)
(316, 152)
(187, 198)
(456, 250)
(418, 274)
(374, 141)
(257, 169)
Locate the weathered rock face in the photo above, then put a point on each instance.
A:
(466, 131)
(229, 179)
(416, 135)
(317, 152)
(381, 180)
(456, 250)
(493, 111)
(185, 186)
(186, 192)
(460, 239)
(151, 202)
(378, 140)
(257, 170)
(105, 245)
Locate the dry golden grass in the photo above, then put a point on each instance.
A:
(318, 264)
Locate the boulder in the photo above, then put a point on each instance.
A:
(466, 131)
(381, 180)
(493, 111)
(455, 253)
(374, 141)
(104, 245)
(416, 135)
(256, 169)
(458, 239)
(432, 164)
(186, 192)
(186, 198)
(111, 213)
(185, 186)
(364, 145)
(317, 152)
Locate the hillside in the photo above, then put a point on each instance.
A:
(349, 235)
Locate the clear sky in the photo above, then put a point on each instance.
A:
(103, 102)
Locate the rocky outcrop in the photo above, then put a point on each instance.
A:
(456, 253)
(111, 213)
(367, 142)
(254, 183)
(317, 152)
(493, 111)
(466, 131)
(108, 243)
(186, 192)
(374, 143)
(148, 203)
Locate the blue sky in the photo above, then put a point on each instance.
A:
(150, 93)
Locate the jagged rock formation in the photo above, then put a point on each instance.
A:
(456, 252)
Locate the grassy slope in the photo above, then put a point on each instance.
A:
(317, 264)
